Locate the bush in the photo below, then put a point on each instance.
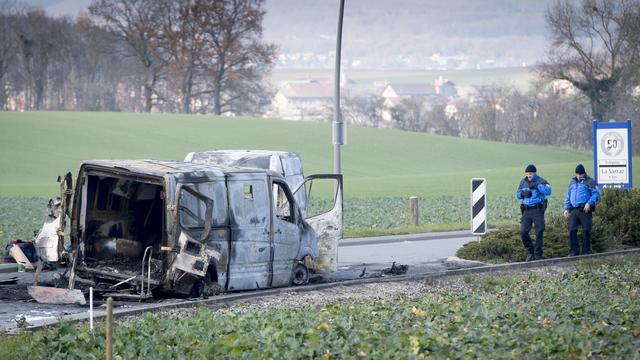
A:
(616, 224)
(622, 214)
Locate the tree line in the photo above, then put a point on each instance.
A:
(186, 56)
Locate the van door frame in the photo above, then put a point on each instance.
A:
(293, 213)
(327, 260)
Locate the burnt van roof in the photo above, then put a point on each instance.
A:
(162, 167)
(288, 163)
(237, 157)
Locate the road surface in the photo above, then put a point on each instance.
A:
(403, 249)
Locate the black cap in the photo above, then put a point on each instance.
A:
(580, 169)
(531, 168)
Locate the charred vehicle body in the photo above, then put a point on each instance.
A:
(142, 227)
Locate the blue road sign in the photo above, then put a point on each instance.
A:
(612, 159)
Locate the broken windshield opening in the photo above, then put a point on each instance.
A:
(320, 196)
(283, 202)
(195, 212)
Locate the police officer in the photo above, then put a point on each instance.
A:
(532, 191)
(582, 197)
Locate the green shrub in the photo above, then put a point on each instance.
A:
(622, 214)
(616, 224)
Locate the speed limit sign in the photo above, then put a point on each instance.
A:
(612, 153)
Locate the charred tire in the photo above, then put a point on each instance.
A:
(207, 286)
(300, 274)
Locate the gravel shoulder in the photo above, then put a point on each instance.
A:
(383, 291)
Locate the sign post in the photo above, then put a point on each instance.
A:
(478, 206)
(612, 158)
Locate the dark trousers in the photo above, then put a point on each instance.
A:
(532, 216)
(578, 218)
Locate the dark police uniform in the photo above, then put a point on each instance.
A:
(580, 192)
(533, 195)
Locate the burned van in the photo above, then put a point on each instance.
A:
(140, 227)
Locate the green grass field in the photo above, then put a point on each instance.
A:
(38, 146)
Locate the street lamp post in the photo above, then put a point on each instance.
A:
(338, 125)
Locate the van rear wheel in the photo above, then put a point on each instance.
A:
(300, 275)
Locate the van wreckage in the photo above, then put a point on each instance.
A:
(140, 228)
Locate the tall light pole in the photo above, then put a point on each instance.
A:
(338, 125)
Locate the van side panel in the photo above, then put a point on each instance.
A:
(286, 233)
(250, 245)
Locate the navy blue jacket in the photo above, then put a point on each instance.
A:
(580, 192)
(539, 193)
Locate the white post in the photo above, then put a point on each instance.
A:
(91, 309)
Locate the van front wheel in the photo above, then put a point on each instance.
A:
(300, 274)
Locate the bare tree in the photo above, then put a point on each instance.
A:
(486, 116)
(237, 58)
(592, 48)
(36, 34)
(183, 43)
(97, 67)
(410, 115)
(441, 123)
(8, 44)
(361, 110)
(136, 23)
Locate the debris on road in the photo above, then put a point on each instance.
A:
(454, 262)
(51, 295)
(27, 247)
(396, 269)
(19, 256)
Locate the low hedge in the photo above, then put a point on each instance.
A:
(616, 225)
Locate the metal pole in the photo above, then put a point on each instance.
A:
(338, 135)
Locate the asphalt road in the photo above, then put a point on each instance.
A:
(403, 249)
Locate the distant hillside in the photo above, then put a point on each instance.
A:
(407, 33)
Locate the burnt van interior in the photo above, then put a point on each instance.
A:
(123, 224)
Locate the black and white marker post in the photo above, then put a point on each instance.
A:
(478, 206)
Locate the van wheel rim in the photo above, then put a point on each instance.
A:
(300, 275)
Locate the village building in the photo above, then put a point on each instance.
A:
(425, 95)
(302, 100)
